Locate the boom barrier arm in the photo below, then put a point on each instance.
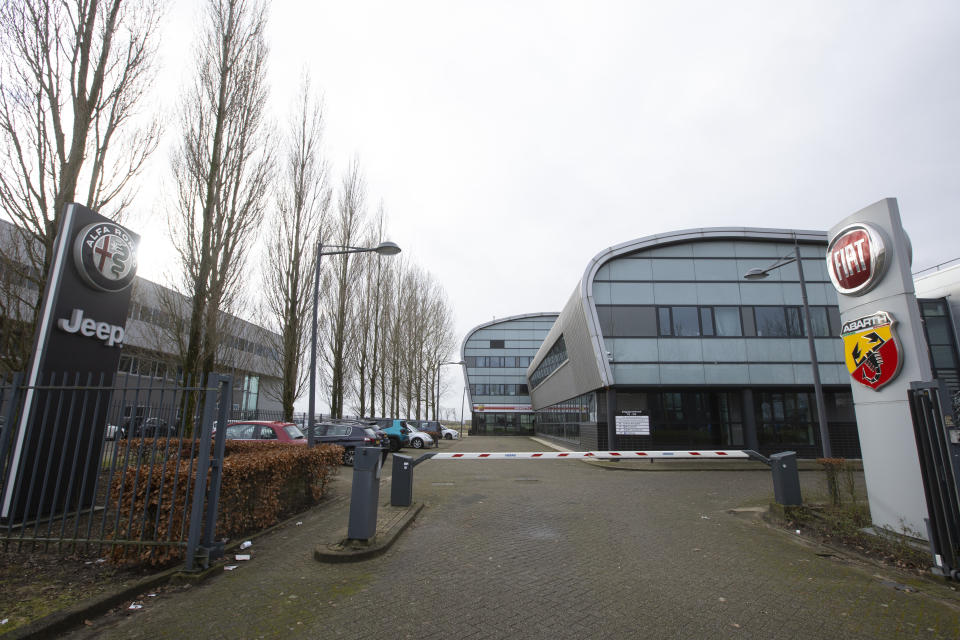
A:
(596, 455)
(786, 480)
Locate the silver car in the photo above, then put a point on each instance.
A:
(450, 434)
(418, 439)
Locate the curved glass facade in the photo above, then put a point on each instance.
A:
(716, 361)
(497, 355)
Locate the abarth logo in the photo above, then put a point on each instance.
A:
(105, 255)
(871, 349)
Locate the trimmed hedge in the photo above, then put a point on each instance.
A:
(261, 484)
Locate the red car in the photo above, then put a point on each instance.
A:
(265, 431)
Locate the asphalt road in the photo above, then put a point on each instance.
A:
(552, 549)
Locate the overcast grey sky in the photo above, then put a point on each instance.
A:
(512, 141)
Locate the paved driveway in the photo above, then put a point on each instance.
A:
(553, 549)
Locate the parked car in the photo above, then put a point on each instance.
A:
(395, 431)
(429, 426)
(265, 431)
(419, 439)
(403, 433)
(140, 427)
(450, 434)
(350, 435)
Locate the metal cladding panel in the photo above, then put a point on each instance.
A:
(581, 372)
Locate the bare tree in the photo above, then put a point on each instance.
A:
(302, 204)
(222, 169)
(340, 282)
(73, 73)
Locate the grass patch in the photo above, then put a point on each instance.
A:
(839, 515)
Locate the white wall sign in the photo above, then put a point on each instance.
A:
(633, 425)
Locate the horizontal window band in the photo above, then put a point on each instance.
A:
(648, 337)
(739, 363)
(741, 281)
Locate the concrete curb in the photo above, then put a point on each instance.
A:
(74, 615)
(390, 524)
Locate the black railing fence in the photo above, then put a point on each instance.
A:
(92, 468)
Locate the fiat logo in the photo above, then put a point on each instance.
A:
(856, 259)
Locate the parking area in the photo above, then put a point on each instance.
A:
(552, 549)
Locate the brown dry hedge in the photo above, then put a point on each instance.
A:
(262, 483)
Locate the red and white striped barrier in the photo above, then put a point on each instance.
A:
(595, 455)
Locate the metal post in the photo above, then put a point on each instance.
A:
(611, 419)
(214, 549)
(203, 465)
(817, 387)
(462, 400)
(313, 345)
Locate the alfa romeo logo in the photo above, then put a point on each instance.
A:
(106, 256)
(856, 259)
(871, 349)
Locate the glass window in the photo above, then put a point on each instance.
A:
(931, 309)
(938, 330)
(509, 362)
(771, 321)
(294, 432)
(665, 326)
(749, 325)
(685, 321)
(496, 344)
(251, 390)
(795, 323)
(833, 313)
(628, 321)
(820, 322)
(943, 357)
(240, 431)
(706, 320)
(727, 320)
(267, 433)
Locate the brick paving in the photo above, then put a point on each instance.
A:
(552, 549)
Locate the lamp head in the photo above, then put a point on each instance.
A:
(756, 274)
(387, 249)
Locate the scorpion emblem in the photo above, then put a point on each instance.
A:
(873, 359)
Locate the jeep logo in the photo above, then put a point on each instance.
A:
(110, 334)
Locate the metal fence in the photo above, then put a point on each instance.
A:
(93, 468)
(938, 446)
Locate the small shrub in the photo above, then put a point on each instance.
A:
(261, 483)
(832, 468)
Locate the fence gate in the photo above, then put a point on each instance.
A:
(938, 447)
(126, 471)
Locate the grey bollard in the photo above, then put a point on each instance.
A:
(786, 478)
(365, 495)
(401, 486)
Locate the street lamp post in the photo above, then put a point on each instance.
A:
(383, 249)
(463, 400)
(758, 274)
